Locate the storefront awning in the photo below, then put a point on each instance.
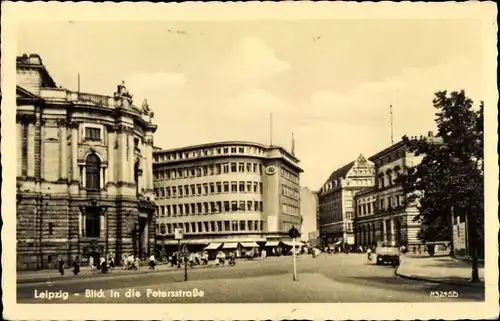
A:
(339, 241)
(230, 245)
(272, 243)
(249, 244)
(290, 243)
(213, 246)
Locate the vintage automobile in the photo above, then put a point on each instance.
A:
(387, 253)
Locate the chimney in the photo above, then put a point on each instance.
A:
(430, 134)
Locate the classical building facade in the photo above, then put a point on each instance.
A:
(336, 201)
(308, 208)
(226, 195)
(84, 172)
(381, 213)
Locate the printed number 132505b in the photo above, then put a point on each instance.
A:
(444, 294)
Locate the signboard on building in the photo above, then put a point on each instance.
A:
(178, 234)
(350, 240)
(459, 236)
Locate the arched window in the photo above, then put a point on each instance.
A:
(162, 229)
(92, 172)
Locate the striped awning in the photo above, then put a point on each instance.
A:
(290, 243)
(272, 243)
(230, 245)
(249, 244)
(213, 246)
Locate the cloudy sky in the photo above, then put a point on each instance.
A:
(330, 82)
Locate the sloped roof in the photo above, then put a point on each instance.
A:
(341, 172)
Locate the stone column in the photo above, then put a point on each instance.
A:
(131, 161)
(102, 223)
(63, 170)
(19, 159)
(392, 234)
(122, 152)
(84, 176)
(31, 149)
(111, 153)
(75, 173)
(384, 227)
(102, 178)
(80, 224)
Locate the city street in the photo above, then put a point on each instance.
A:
(328, 278)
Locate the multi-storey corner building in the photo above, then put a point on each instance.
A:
(336, 201)
(229, 192)
(308, 208)
(84, 172)
(381, 213)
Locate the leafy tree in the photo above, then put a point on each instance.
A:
(449, 181)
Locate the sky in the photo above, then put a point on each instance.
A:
(329, 82)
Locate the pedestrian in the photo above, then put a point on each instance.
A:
(91, 263)
(152, 262)
(137, 263)
(191, 260)
(61, 265)
(103, 265)
(76, 266)
(205, 258)
(124, 262)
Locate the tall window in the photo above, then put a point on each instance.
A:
(92, 222)
(92, 172)
(92, 133)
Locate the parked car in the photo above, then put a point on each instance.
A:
(387, 253)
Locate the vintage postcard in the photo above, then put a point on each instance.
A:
(291, 160)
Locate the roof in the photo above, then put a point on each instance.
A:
(33, 61)
(228, 143)
(341, 172)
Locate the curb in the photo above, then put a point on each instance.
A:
(419, 278)
(98, 275)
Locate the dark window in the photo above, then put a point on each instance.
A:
(92, 222)
(92, 171)
(136, 179)
(92, 133)
(51, 229)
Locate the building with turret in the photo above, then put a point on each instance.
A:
(84, 172)
(336, 201)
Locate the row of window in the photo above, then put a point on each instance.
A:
(208, 170)
(384, 204)
(290, 209)
(387, 179)
(229, 150)
(290, 192)
(208, 189)
(210, 208)
(211, 227)
(289, 175)
(335, 228)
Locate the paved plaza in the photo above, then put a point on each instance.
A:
(335, 278)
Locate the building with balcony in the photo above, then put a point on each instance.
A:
(84, 172)
(381, 213)
(308, 209)
(336, 201)
(227, 195)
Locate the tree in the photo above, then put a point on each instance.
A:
(448, 182)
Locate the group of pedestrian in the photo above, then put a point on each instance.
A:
(130, 262)
(75, 264)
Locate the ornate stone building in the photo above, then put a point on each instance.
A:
(84, 172)
(336, 201)
(381, 213)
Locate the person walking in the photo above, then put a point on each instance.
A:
(61, 265)
(152, 262)
(76, 266)
(91, 263)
